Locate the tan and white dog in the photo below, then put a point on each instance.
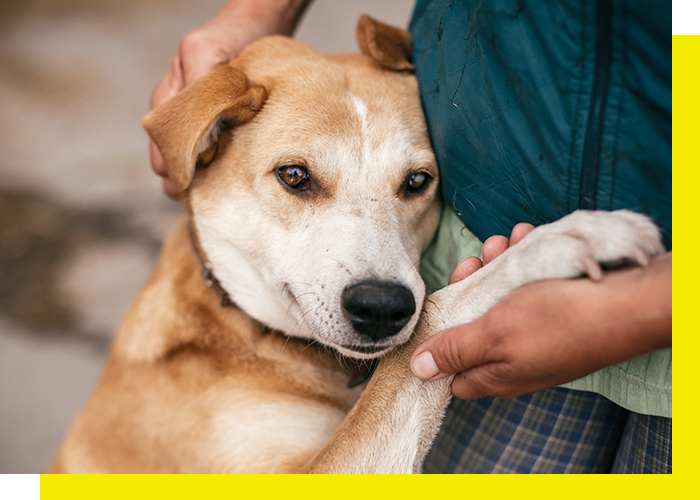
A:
(311, 191)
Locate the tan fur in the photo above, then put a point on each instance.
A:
(163, 383)
(192, 386)
(184, 372)
(182, 130)
(390, 47)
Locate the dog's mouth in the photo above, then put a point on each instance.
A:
(369, 349)
(363, 351)
(359, 326)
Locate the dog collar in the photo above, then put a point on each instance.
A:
(213, 283)
(361, 372)
(208, 272)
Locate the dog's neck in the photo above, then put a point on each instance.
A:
(207, 269)
(361, 370)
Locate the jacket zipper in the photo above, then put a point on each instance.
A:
(596, 112)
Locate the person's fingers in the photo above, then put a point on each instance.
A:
(168, 87)
(170, 189)
(496, 245)
(159, 168)
(465, 268)
(519, 232)
(199, 55)
(157, 161)
(493, 247)
(455, 352)
(471, 384)
(172, 83)
(449, 352)
(482, 381)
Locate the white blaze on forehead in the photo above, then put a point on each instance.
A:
(361, 109)
(383, 142)
(362, 112)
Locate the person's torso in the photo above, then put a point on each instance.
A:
(540, 108)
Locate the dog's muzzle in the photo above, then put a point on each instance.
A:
(378, 309)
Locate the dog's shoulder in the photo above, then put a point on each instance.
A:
(178, 317)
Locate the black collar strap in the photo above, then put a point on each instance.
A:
(361, 371)
(208, 272)
(213, 283)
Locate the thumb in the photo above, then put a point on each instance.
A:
(447, 353)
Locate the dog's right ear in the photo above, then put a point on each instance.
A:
(389, 46)
(185, 128)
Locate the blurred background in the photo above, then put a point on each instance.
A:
(82, 216)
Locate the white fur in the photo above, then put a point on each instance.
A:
(398, 428)
(558, 250)
(292, 278)
(305, 428)
(361, 109)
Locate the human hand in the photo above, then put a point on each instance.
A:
(220, 40)
(492, 248)
(552, 332)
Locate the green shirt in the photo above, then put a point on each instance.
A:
(642, 385)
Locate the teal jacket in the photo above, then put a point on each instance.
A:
(538, 108)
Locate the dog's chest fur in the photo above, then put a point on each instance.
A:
(253, 396)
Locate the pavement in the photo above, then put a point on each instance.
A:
(82, 216)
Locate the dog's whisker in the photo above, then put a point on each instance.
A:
(286, 341)
(311, 342)
(300, 320)
(302, 283)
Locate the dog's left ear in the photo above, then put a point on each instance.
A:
(389, 46)
(185, 128)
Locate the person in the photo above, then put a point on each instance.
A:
(218, 41)
(535, 109)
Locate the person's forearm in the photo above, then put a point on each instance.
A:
(633, 310)
(281, 16)
(552, 332)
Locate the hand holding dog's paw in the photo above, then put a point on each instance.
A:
(552, 332)
(549, 333)
(578, 243)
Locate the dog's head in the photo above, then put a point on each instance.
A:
(311, 184)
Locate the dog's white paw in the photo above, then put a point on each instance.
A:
(573, 246)
(578, 243)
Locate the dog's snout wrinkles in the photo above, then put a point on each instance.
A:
(378, 309)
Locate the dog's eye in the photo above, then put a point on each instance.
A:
(294, 176)
(417, 182)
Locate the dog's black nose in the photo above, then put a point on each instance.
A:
(378, 309)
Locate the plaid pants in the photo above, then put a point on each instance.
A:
(553, 431)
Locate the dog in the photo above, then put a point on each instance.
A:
(311, 190)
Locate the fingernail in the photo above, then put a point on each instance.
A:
(424, 366)
(592, 269)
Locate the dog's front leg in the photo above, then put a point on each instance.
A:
(392, 426)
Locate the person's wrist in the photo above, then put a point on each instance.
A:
(271, 16)
(630, 311)
(649, 306)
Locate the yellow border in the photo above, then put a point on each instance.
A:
(686, 196)
(350, 487)
(686, 182)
